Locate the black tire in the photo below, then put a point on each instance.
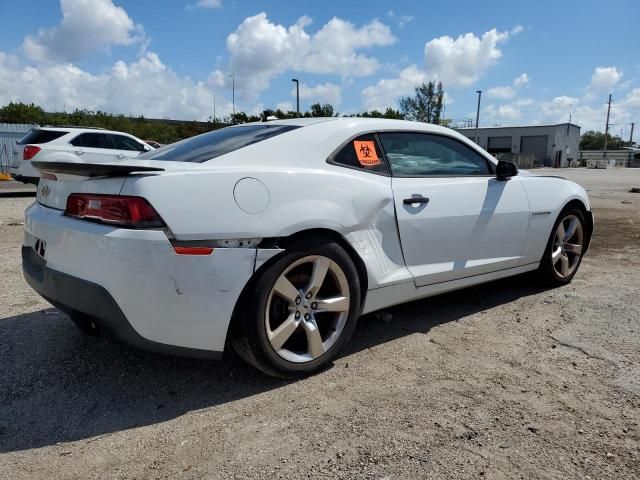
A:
(547, 272)
(249, 335)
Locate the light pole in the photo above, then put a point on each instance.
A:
(297, 96)
(214, 110)
(479, 92)
(233, 96)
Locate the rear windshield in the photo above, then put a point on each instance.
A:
(40, 136)
(213, 144)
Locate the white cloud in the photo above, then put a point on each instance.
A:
(508, 92)
(523, 102)
(404, 20)
(498, 114)
(86, 26)
(461, 61)
(386, 92)
(144, 87)
(455, 62)
(604, 78)
(285, 106)
(632, 100)
(209, 3)
(504, 93)
(260, 49)
(323, 93)
(521, 80)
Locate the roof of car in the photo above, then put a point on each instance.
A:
(342, 122)
(68, 127)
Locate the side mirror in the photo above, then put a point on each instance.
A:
(505, 170)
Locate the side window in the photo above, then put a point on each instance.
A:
(92, 140)
(125, 143)
(362, 153)
(423, 154)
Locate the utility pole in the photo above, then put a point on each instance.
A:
(297, 96)
(442, 119)
(606, 128)
(233, 96)
(631, 135)
(214, 110)
(479, 92)
(620, 142)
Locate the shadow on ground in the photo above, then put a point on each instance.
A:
(57, 385)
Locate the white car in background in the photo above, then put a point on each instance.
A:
(71, 144)
(274, 237)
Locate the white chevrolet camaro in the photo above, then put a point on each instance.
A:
(274, 237)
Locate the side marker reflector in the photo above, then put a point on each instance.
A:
(193, 250)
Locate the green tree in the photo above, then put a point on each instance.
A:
(318, 110)
(388, 113)
(21, 113)
(425, 105)
(592, 140)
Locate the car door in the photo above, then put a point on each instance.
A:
(93, 147)
(455, 218)
(126, 147)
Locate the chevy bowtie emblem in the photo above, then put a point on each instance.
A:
(45, 191)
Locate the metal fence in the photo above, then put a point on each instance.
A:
(602, 159)
(10, 133)
(522, 160)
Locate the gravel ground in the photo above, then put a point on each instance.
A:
(505, 380)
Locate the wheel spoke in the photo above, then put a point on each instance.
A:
(555, 256)
(320, 268)
(314, 340)
(564, 264)
(335, 304)
(573, 224)
(573, 248)
(285, 289)
(560, 233)
(281, 334)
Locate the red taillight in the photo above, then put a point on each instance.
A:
(193, 250)
(29, 152)
(132, 212)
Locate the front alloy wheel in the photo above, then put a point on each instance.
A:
(567, 246)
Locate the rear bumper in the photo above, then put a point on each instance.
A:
(73, 296)
(185, 301)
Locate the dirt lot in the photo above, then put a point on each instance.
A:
(506, 380)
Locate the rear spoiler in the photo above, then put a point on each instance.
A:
(92, 169)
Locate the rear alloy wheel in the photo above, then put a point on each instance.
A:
(305, 309)
(565, 249)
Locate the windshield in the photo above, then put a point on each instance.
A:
(213, 144)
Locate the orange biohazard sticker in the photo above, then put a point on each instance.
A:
(366, 152)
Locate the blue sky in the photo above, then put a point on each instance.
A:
(535, 61)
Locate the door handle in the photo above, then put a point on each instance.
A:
(413, 200)
(78, 152)
(120, 155)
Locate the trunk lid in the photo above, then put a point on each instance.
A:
(59, 179)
